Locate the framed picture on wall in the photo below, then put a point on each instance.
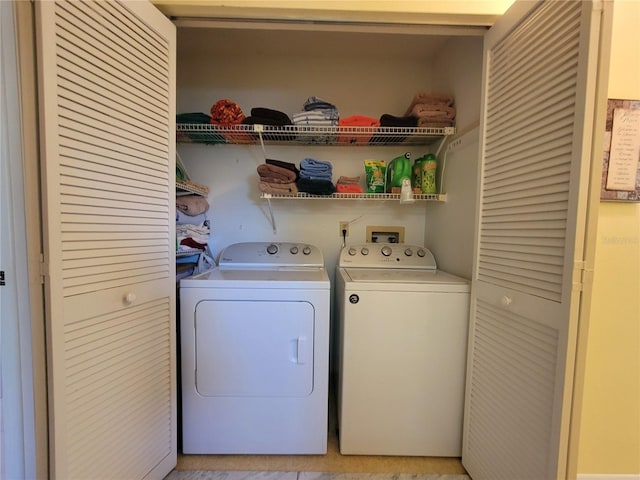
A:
(621, 160)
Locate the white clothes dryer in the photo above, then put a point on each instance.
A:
(255, 352)
(402, 334)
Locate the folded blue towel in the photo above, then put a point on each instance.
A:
(313, 169)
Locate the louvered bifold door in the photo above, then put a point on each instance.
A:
(537, 124)
(107, 96)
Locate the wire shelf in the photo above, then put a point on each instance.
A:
(188, 252)
(306, 135)
(186, 187)
(441, 197)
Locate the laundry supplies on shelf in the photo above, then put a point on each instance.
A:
(399, 168)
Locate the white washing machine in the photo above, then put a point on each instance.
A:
(403, 327)
(255, 352)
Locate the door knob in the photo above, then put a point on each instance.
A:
(129, 298)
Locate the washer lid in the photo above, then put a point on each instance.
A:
(403, 279)
(292, 278)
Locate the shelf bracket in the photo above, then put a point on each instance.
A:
(267, 197)
(259, 129)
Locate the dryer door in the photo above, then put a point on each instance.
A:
(248, 348)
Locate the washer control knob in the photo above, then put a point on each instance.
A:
(294, 250)
(352, 251)
(386, 251)
(421, 253)
(272, 249)
(364, 251)
(408, 252)
(306, 250)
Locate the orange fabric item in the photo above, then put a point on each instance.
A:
(353, 136)
(348, 188)
(228, 114)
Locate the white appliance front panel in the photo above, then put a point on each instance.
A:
(254, 348)
(255, 424)
(402, 371)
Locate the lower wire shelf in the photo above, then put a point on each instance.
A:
(439, 197)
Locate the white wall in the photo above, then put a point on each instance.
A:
(610, 421)
(449, 231)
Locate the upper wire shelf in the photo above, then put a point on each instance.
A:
(299, 134)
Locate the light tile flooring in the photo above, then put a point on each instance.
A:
(332, 466)
(240, 475)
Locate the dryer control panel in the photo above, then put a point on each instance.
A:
(386, 255)
(271, 255)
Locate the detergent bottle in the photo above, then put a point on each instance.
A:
(398, 169)
(416, 175)
(428, 177)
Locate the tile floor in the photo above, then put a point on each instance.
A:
(240, 475)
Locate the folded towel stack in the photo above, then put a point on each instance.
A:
(192, 224)
(192, 204)
(267, 116)
(315, 177)
(278, 177)
(315, 187)
(348, 185)
(432, 110)
(271, 118)
(317, 113)
(313, 169)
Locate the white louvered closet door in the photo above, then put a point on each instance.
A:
(537, 120)
(107, 96)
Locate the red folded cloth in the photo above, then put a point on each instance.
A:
(359, 121)
(348, 188)
(355, 137)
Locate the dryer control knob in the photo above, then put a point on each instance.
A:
(421, 252)
(271, 249)
(294, 250)
(352, 251)
(408, 252)
(364, 251)
(386, 251)
(306, 250)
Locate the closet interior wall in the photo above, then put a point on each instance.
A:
(361, 73)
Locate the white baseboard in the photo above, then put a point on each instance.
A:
(608, 476)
